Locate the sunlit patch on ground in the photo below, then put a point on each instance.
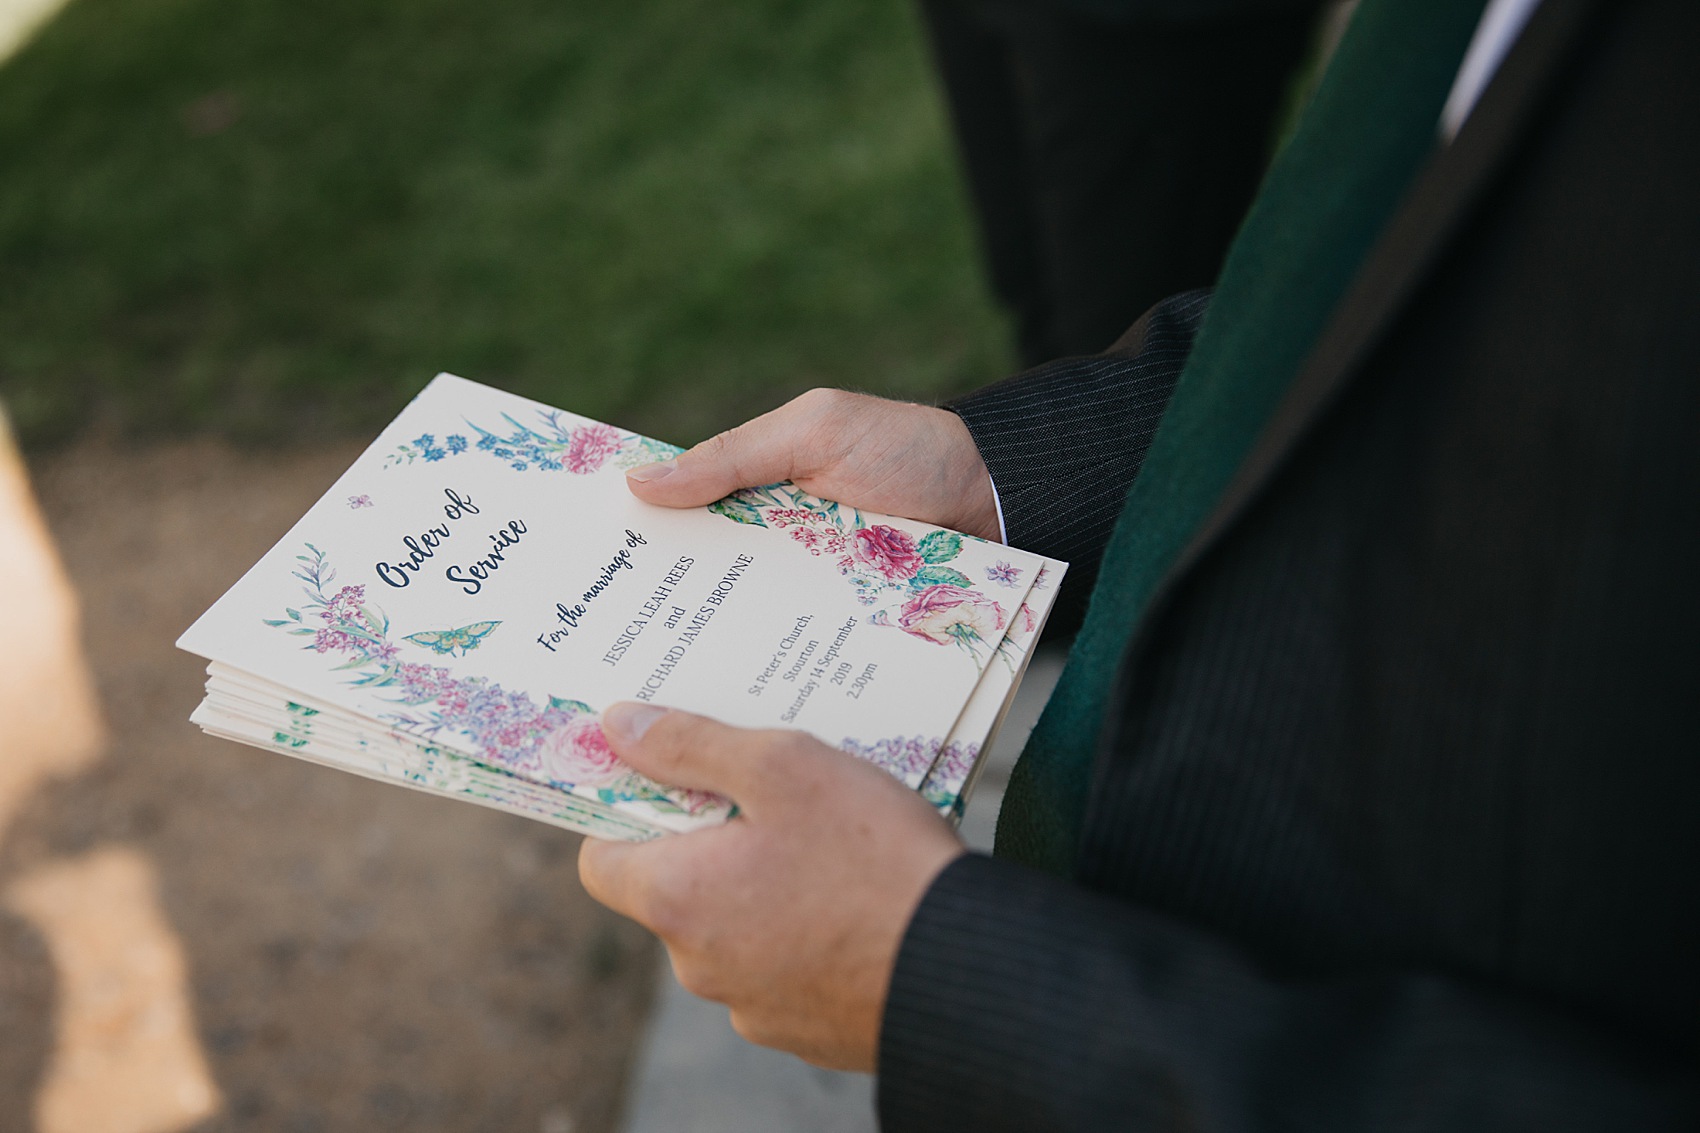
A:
(126, 1058)
(46, 698)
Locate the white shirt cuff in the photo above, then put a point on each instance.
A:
(1003, 531)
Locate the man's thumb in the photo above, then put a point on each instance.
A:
(763, 451)
(683, 750)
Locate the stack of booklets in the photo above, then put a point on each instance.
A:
(455, 612)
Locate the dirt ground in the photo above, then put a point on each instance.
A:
(358, 956)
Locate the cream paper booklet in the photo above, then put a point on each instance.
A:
(456, 611)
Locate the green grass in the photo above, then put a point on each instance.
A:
(276, 219)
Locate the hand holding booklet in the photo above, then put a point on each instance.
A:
(456, 611)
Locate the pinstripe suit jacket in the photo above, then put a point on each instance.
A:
(1396, 816)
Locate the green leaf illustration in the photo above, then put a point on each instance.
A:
(573, 706)
(646, 451)
(735, 509)
(934, 575)
(375, 617)
(941, 547)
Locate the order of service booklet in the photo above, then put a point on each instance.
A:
(456, 611)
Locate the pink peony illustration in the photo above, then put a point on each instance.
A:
(887, 552)
(589, 447)
(945, 613)
(577, 752)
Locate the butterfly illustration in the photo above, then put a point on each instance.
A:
(357, 502)
(465, 639)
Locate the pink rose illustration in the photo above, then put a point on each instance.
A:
(1028, 621)
(888, 552)
(589, 447)
(578, 752)
(945, 613)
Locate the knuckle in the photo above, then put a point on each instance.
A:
(665, 761)
(715, 448)
(821, 399)
(783, 757)
(826, 406)
(769, 754)
(739, 453)
(674, 908)
(825, 412)
(674, 726)
(669, 737)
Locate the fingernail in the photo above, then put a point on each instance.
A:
(627, 722)
(644, 473)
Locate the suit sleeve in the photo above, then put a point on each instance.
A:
(1023, 1003)
(1064, 441)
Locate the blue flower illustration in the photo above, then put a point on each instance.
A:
(557, 445)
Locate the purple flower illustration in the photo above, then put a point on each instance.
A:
(559, 743)
(905, 757)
